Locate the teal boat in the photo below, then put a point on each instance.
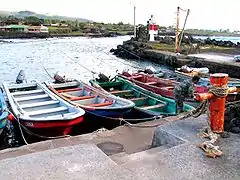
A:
(3, 112)
(145, 101)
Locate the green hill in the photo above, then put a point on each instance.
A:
(23, 14)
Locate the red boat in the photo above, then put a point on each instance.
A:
(163, 86)
(157, 85)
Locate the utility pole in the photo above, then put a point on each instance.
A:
(177, 26)
(134, 21)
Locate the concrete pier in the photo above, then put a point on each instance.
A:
(174, 155)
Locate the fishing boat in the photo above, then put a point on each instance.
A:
(157, 85)
(165, 87)
(91, 99)
(3, 112)
(39, 111)
(145, 101)
(187, 73)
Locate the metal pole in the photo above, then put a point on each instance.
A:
(177, 26)
(134, 20)
(188, 11)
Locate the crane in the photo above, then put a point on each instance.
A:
(177, 41)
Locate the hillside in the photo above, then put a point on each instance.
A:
(23, 14)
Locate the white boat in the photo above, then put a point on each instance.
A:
(91, 99)
(41, 111)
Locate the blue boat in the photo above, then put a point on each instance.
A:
(3, 113)
(92, 100)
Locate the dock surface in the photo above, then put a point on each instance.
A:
(175, 157)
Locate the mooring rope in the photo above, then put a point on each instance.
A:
(118, 59)
(78, 63)
(31, 133)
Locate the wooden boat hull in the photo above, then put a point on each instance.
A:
(160, 86)
(111, 106)
(39, 111)
(145, 101)
(4, 114)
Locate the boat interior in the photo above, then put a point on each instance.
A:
(141, 100)
(33, 101)
(85, 96)
(152, 81)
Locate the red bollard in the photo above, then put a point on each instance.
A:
(216, 103)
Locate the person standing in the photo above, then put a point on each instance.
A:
(184, 90)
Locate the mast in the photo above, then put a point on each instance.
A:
(188, 11)
(177, 29)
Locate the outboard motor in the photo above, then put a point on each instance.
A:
(59, 79)
(62, 78)
(102, 78)
(21, 77)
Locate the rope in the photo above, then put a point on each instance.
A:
(78, 63)
(118, 59)
(219, 91)
(141, 126)
(19, 124)
(47, 72)
(31, 133)
(130, 124)
(131, 53)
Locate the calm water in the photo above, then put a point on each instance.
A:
(224, 38)
(32, 55)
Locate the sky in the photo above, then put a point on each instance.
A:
(204, 14)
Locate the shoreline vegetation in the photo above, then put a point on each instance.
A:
(59, 26)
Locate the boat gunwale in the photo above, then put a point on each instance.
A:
(19, 112)
(128, 104)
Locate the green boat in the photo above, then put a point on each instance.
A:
(145, 101)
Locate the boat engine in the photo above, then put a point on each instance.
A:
(21, 77)
(102, 78)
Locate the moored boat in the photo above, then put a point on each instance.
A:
(157, 85)
(144, 100)
(39, 111)
(91, 99)
(3, 112)
(204, 80)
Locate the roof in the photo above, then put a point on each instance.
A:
(15, 26)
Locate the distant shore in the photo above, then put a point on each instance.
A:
(14, 35)
(17, 35)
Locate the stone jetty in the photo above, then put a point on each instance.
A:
(132, 49)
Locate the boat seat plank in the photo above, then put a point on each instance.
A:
(76, 98)
(153, 107)
(69, 90)
(168, 87)
(138, 99)
(27, 92)
(46, 111)
(32, 97)
(136, 77)
(101, 104)
(151, 83)
(121, 91)
(45, 103)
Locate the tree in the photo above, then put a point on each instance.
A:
(12, 20)
(120, 23)
(32, 20)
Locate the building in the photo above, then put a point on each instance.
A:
(24, 28)
(14, 28)
(37, 29)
